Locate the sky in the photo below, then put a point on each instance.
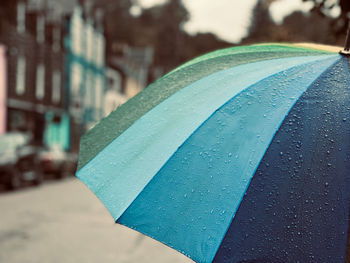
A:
(229, 19)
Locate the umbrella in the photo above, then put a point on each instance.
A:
(240, 155)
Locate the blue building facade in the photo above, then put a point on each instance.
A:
(84, 70)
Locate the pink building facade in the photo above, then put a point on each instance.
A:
(3, 89)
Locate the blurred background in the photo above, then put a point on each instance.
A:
(65, 64)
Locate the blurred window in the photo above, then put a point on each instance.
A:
(76, 80)
(98, 96)
(89, 33)
(56, 86)
(40, 82)
(89, 89)
(21, 17)
(76, 32)
(56, 39)
(21, 75)
(40, 29)
(99, 39)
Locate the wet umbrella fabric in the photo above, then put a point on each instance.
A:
(239, 155)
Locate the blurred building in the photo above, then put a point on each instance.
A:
(35, 104)
(134, 66)
(85, 68)
(58, 84)
(114, 95)
(3, 89)
(55, 69)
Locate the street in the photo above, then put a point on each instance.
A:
(64, 222)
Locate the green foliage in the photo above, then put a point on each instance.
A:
(262, 26)
(338, 24)
(118, 20)
(323, 6)
(160, 26)
(317, 26)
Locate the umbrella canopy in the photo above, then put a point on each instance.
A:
(241, 155)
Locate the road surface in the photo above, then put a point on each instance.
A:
(64, 222)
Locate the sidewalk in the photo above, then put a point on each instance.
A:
(64, 222)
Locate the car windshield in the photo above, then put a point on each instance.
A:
(5, 144)
(11, 141)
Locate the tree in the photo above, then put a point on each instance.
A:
(339, 24)
(322, 6)
(170, 38)
(118, 22)
(160, 26)
(262, 26)
(301, 27)
(317, 26)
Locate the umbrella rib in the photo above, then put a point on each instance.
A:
(316, 79)
(324, 70)
(152, 180)
(87, 144)
(83, 174)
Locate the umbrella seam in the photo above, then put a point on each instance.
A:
(97, 190)
(292, 47)
(270, 143)
(300, 54)
(270, 76)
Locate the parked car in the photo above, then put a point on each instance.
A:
(19, 161)
(71, 163)
(55, 161)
